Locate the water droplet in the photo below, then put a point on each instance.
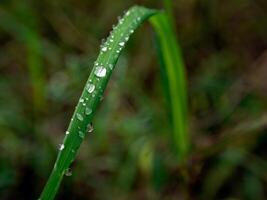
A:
(90, 87)
(121, 44)
(81, 134)
(61, 147)
(88, 111)
(81, 100)
(100, 71)
(127, 13)
(104, 49)
(110, 66)
(118, 51)
(68, 172)
(67, 132)
(131, 31)
(90, 128)
(79, 116)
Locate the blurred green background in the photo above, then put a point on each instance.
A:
(47, 51)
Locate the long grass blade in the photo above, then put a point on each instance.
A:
(92, 93)
(170, 54)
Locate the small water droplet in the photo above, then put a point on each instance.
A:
(79, 116)
(67, 132)
(81, 134)
(110, 66)
(118, 51)
(81, 100)
(121, 44)
(100, 71)
(88, 111)
(90, 128)
(61, 147)
(90, 87)
(68, 172)
(104, 49)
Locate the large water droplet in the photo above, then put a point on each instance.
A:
(79, 116)
(61, 147)
(90, 87)
(68, 172)
(90, 128)
(88, 111)
(100, 71)
(67, 132)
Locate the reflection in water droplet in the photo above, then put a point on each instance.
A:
(68, 172)
(79, 116)
(100, 71)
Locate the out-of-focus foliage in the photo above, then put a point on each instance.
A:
(129, 155)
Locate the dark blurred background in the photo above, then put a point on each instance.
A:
(47, 49)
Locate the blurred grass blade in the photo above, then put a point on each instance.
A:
(98, 79)
(174, 69)
(31, 39)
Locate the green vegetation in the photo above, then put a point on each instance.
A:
(176, 110)
(93, 91)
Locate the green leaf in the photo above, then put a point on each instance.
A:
(99, 77)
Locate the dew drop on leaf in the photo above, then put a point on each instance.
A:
(90, 87)
(79, 116)
(81, 134)
(68, 172)
(104, 49)
(61, 147)
(88, 111)
(110, 66)
(100, 71)
(90, 128)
